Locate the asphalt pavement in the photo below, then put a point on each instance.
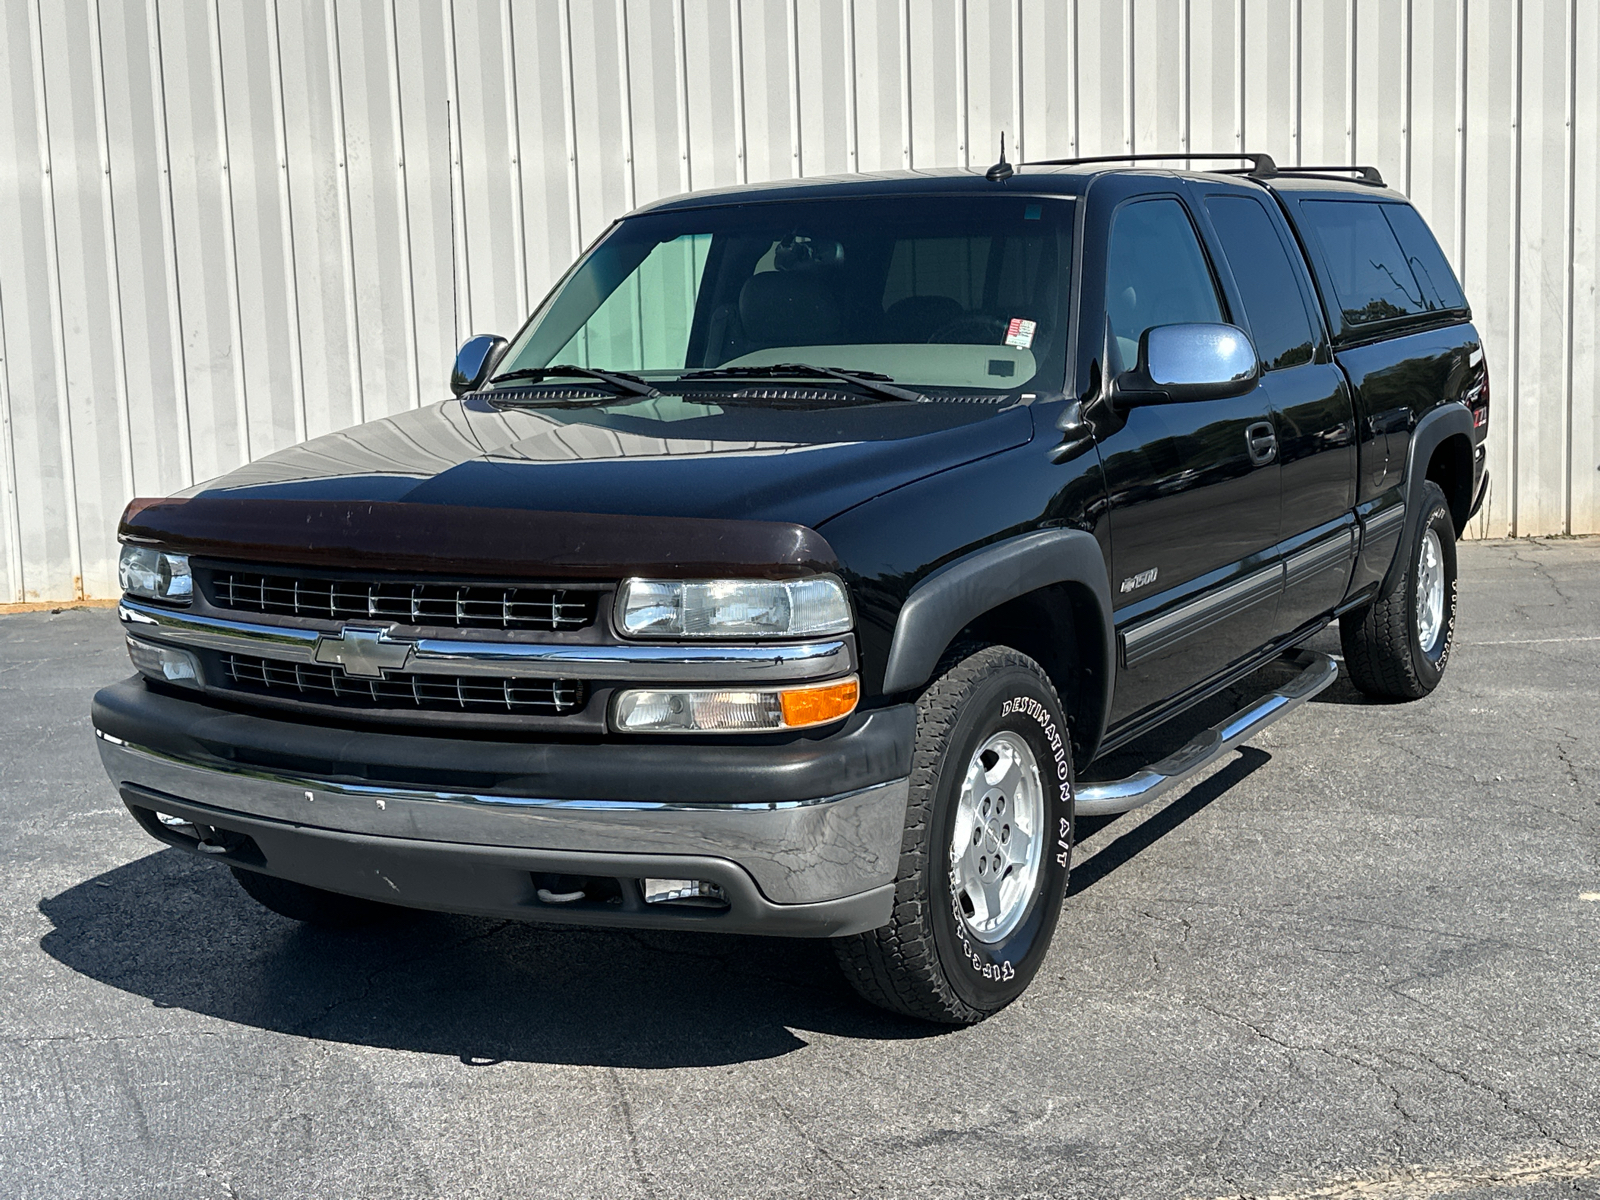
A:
(1361, 958)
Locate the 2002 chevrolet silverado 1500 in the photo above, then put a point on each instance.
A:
(786, 569)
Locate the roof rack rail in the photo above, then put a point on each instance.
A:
(1262, 166)
(1368, 174)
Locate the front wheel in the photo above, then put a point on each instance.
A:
(1398, 646)
(987, 845)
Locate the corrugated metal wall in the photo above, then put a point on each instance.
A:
(227, 225)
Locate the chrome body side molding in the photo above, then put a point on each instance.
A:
(1150, 637)
(1334, 551)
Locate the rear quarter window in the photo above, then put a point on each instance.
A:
(1428, 266)
(1373, 276)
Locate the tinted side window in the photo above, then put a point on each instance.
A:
(1371, 277)
(1440, 289)
(1156, 274)
(1273, 302)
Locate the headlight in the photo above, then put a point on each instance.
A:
(734, 710)
(725, 608)
(155, 574)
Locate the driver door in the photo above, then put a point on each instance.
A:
(1193, 490)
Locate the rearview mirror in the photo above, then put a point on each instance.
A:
(1190, 362)
(478, 355)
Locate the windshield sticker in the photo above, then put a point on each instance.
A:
(1020, 333)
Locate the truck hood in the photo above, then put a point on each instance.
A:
(663, 457)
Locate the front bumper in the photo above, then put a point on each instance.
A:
(802, 835)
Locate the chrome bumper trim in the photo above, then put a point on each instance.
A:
(798, 852)
(641, 663)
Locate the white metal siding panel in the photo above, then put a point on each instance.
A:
(1213, 76)
(1493, 144)
(1541, 421)
(546, 167)
(27, 278)
(1103, 119)
(1382, 92)
(1269, 76)
(1583, 404)
(1158, 57)
(1435, 85)
(86, 337)
(260, 223)
(1324, 75)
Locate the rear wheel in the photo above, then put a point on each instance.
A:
(987, 845)
(1397, 647)
(313, 906)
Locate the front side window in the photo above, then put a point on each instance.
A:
(933, 291)
(1156, 274)
(1268, 284)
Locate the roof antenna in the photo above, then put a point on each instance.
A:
(1001, 171)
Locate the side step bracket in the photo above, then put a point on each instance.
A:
(1317, 671)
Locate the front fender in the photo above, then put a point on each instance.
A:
(960, 592)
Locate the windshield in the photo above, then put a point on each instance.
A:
(931, 291)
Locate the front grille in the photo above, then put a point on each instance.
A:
(440, 693)
(481, 606)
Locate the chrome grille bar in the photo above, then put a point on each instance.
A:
(330, 685)
(549, 608)
(632, 662)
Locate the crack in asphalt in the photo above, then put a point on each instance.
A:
(1539, 569)
(1533, 1119)
(631, 1135)
(1504, 1098)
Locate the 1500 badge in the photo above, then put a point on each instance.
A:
(1142, 579)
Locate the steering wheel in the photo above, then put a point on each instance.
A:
(971, 329)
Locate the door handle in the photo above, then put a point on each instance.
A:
(1262, 442)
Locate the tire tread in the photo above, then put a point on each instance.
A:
(1378, 641)
(897, 965)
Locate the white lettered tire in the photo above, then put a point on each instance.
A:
(987, 845)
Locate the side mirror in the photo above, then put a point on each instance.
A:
(478, 356)
(1190, 362)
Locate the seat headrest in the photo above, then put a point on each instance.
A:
(788, 308)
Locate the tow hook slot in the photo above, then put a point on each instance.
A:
(627, 895)
(198, 836)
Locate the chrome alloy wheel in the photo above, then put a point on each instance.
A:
(1430, 591)
(998, 837)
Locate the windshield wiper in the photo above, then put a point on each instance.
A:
(867, 381)
(620, 382)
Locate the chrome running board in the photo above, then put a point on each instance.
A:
(1317, 671)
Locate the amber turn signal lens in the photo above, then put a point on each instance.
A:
(818, 705)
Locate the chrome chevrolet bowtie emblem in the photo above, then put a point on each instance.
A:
(365, 652)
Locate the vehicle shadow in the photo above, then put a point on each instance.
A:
(1146, 833)
(181, 932)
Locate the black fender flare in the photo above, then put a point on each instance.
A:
(959, 592)
(1446, 420)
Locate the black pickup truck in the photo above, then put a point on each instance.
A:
(788, 568)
